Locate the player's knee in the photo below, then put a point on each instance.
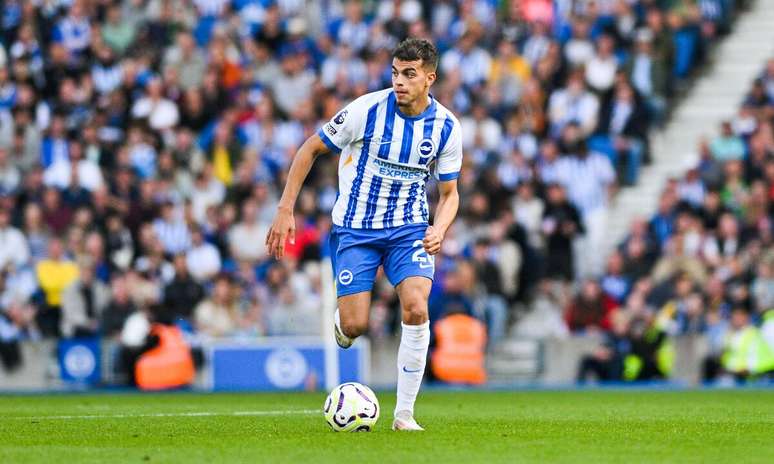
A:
(415, 310)
(354, 328)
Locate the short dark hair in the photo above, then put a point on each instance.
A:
(414, 49)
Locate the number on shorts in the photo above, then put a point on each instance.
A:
(420, 256)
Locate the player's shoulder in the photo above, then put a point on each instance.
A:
(368, 100)
(444, 112)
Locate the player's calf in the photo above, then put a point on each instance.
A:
(348, 330)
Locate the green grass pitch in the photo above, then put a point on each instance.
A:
(488, 427)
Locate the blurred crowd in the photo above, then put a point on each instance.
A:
(144, 143)
(704, 262)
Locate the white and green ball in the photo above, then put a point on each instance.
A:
(351, 407)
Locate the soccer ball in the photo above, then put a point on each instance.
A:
(351, 407)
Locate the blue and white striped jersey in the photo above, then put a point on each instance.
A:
(387, 158)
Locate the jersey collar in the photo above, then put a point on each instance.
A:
(421, 115)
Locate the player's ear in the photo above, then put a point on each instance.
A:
(431, 76)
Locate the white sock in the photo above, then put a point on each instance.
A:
(412, 355)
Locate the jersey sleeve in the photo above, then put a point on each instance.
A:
(450, 157)
(342, 129)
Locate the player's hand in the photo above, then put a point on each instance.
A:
(432, 241)
(283, 228)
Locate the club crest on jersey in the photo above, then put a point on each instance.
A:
(340, 117)
(425, 148)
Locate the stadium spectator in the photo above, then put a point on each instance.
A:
(591, 310)
(203, 259)
(183, 293)
(83, 304)
(561, 224)
(218, 315)
(727, 146)
(119, 309)
(54, 274)
(14, 249)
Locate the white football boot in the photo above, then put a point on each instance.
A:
(404, 421)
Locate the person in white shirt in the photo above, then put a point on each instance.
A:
(160, 112)
(203, 258)
(601, 68)
(207, 191)
(573, 103)
(13, 245)
(87, 172)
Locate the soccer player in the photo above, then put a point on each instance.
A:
(391, 142)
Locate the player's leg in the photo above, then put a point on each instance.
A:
(355, 261)
(351, 319)
(411, 270)
(412, 353)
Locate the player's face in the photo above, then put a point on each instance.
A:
(410, 81)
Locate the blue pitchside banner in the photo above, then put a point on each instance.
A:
(283, 364)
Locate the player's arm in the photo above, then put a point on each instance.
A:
(284, 225)
(445, 212)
